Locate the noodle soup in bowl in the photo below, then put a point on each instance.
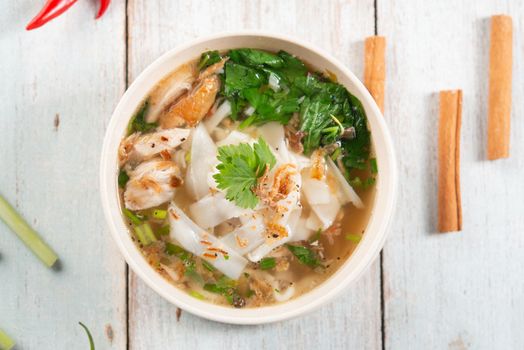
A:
(248, 178)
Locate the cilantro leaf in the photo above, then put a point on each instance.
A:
(138, 122)
(304, 255)
(240, 168)
(208, 58)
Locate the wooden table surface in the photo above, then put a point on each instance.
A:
(61, 83)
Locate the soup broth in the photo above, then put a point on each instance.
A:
(246, 177)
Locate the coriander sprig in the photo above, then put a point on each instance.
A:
(240, 168)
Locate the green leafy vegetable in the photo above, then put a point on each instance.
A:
(239, 77)
(240, 168)
(357, 182)
(373, 165)
(209, 58)
(5, 341)
(187, 259)
(316, 236)
(267, 263)
(304, 255)
(91, 342)
(138, 122)
(257, 58)
(29, 236)
(227, 288)
(164, 230)
(123, 178)
(208, 266)
(353, 237)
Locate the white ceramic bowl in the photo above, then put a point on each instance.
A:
(348, 273)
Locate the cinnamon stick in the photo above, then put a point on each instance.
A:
(499, 103)
(375, 68)
(449, 202)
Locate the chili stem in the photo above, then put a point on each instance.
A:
(29, 236)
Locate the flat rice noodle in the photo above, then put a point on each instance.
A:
(316, 191)
(248, 236)
(213, 209)
(203, 160)
(234, 138)
(222, 112)
(272, 133)
(347, 192)
(301, 232)
(313, 223)
(327, 213)
(199, 242)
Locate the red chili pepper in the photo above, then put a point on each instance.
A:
(52, 9)
(104, 4)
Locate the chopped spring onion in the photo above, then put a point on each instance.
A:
(267, 263)
(148, 231)
(29, 236)
(373, 165)
(132, 216)
(336, 153)
(355, 238)
(164, 230)
(196, 295)
(6, 342)
(316, 236)
(159, 214)
(91, 342)
(140, 234)
(208, 266)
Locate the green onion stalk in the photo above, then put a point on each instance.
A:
(6, 343)
(29, 236)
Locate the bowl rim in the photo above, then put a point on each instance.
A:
(385, 200)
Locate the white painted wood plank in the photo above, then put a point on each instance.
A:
(73, 69)
(353, 320)
(459, 290)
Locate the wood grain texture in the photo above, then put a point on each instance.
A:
(452, 291)
(60, 84)
(353, 319)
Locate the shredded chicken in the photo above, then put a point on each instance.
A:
(263, 291)
(151, 183)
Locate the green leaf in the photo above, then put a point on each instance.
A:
(123, 178)
(239, 77)
(373, 167)
(138, 122)
(257, 58)
(208, 58)
(304, 255)
(240, 168)
(208, 266)
(91, 342)
(267, 263)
